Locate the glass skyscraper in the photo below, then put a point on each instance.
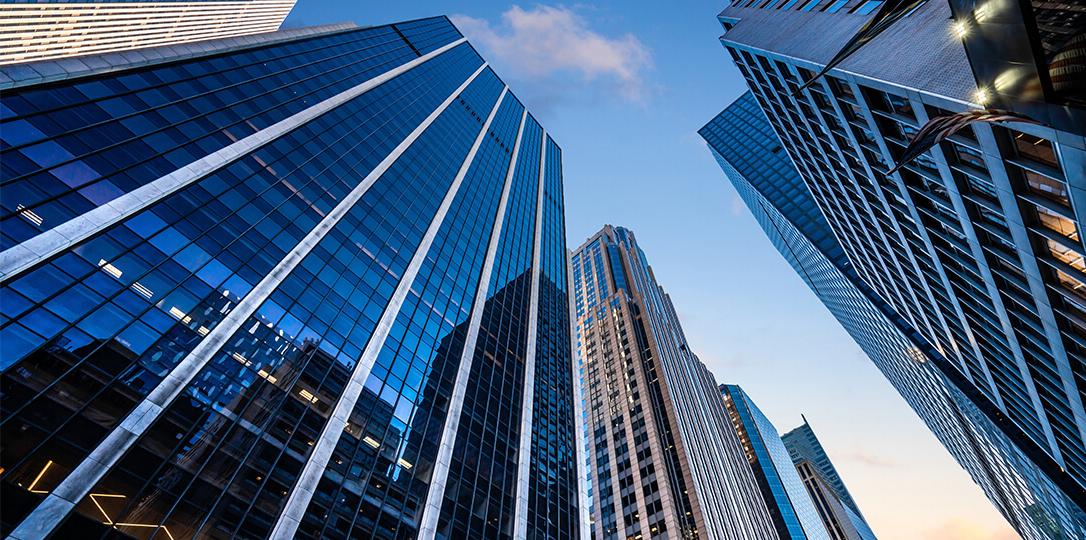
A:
(309, 283)
(803, 444)
(794, 513)
(1040, 502)
(841, 521)
(975, 245)
(836, 506)
(33, 30)
(664, 459)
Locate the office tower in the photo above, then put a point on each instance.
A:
(840, 520)
(310, 285)
(664, 460)
(810, 203)
(794, 513)
(802, 444)
(32, 30)
(836, 505)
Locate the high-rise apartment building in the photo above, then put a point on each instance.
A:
(32, 30)
(957, 275)
(664, 459)
(794, 513)
(308, 284)
(836, 506)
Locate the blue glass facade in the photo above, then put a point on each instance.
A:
(553, 439)
(1036, 506)
(244, 288)
(790, 506)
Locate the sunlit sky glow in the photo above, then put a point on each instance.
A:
(623, 86)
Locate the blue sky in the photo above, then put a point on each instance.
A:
(623, 87)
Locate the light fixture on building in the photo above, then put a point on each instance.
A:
(981, 96)
(961, 29)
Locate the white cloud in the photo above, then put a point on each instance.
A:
(538, 43)
(867, 458)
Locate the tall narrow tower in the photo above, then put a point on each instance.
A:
(663, 457)
(794, 513)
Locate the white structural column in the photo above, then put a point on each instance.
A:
(18, 258)
(432, 510)
(58, 503)
(299, 498)
(524, 454)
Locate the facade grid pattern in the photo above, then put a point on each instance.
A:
(178, 371)
(953, 248)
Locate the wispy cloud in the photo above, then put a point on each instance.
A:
(540, 43)
(867, 458)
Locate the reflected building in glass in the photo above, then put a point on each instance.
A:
(828, 206)
(310, 283)
(664, 459)
(34, 30)
(794, 514)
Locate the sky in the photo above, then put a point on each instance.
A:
(623, 87)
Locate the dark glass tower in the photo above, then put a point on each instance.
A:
(794, 513)
(309, 283)
(1038, 502)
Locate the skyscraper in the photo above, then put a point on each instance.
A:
(836, 505)
(52, 29)
(911, 263)
(309, 284)
(663, 457)
(840, 520)
(794, 513)
(803, 444)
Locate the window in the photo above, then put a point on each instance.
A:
(968, 156)
(1072, 284)
(836, 6)
(1036, 149)
(867, 7)
(1056, 223)
(843, 89)
(1064, 254)
(1046, 187)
